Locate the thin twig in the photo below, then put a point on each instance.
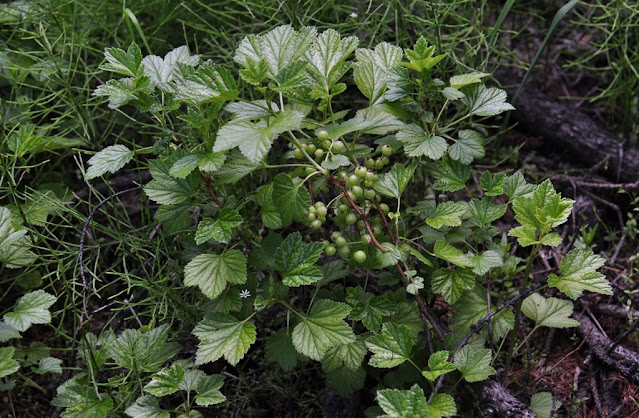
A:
(209, 185)
(85, 229)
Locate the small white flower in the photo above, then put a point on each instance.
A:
(353, 15)
(245, 294)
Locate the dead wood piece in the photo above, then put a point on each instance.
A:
(498, 402)
(613, 310)
(569, 132)
(619, 358)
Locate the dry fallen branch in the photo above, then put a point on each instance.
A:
(619, 358)
(498, 402)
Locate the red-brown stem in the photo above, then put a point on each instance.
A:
(423, 312)
(209, 185)
(385, 221)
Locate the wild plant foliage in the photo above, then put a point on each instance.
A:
(332, 184)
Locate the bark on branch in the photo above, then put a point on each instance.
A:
(570, 132)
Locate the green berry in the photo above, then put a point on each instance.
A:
(370, 176)
(359, 256)
(309, 170)
(369, 163)
(316, 224)
(369, 194)
(335, 235)
(350, 219)
(330, 250)
(342, 174)
(377, 230)
(344, 251)
(326, 144)
(352, 180)
(310, 217)
(338, 146)
(342, 208)
(387, 150)
(322, 135)
(384, 207)
(310, 147)
(357, 191)
(379, 164)
(366, 238)
(319, 153)
(361, 171)
(361, 225)
(326, 243)
(322, 211)
(385, 160)
(319, 204)
(351, 195)
(297, 153)
(340, 241)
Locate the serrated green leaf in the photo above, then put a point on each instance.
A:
(7, 332)
(462, 80)
(486, 101)
(166, 381)
(452, 93)
(146, 407)
(291, 77)
(255, 71)
(472, 306)
(391, 347)
(81, 400)
(368, 308)
(49, 365)
(110, 159)
(142, 351)
(323, 329)
(515, 186)
(333, 270)
(450, 175)
(349, 355)
(492, 183)
(447, 214)
(14, 242)
(209, 83)
(549, 312)
(164, 188)
(220, 335)
(370, 120)
(474, 365)
(327, 57)
(212, 272)
(371, 69)
(447, 252)
(578, 273)
(32, 308)
(277, 48)
(279, 349)
(254, 139)
(416, 283)
(297, 261)
(391, 254)
(127, 63)
(270, 214)
(7, 364)
(468, 147)
(251, 110)
(184, 166)
(161, 71)
(234, 169)
(220, 229)
(119, 92)
(418, 143)
(24, 140)
(485, 211)
(211, 161)
(421, 56)
(438, 365)
(412, 404)
(452, 283)
(542, 404)
(291, 199)
(191, 379)
(393, 182)
(208, 391)
(485, 261)
(336, 161)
